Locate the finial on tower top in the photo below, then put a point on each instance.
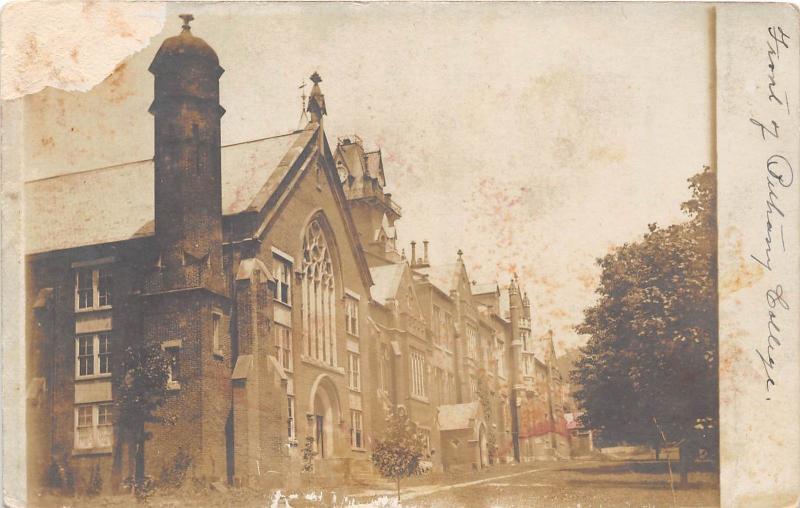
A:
(460, 253)
(187, 18)
(315, 78)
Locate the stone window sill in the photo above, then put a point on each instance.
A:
(93, 377)
(93, 309)
(282, 303)
(418, 398)
(173, 385)
(91, 451)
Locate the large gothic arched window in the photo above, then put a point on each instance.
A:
(319, 301)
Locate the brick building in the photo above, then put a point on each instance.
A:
(269, 273)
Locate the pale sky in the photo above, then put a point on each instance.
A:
(532, 136)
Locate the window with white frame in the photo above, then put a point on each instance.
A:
(354, 371)
(417, 373)
(351, 315)
(291, 427)
(93, 354)
(93, 426)
(283, 276)
(283, 347)
(93, 288)
(356, 429)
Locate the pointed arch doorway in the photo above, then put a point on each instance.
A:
(325, 417)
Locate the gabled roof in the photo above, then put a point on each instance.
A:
(387, 281)
(458, 416)
(116, 203)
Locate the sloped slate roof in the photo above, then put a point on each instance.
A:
(387, 281)
(444, 277)
(457, 416)
(485, 288)
(117, 203)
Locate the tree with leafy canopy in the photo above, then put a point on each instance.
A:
(400, 452)
(141, 391)
(648, 374)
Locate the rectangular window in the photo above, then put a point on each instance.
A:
(94, 426)
(283, 276)
(354, 370)
(417, 374)
(93, 288)
(290, 422)
(384, 380)
(283, 347)
(104, 353)
(356, 429)
(448, 332)
(501, 359)
(86, 355)
(426, 438)
(351, 315)
(105, 426)
(83, 427)
(472, 342)
(85, 289)
(173, 358)
(215, 320)
(437, 326)
(104, 287)
(93, 354)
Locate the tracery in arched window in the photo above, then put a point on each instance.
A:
(319, 301)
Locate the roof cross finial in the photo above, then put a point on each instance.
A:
(187, 18)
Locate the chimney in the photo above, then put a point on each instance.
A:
(425, 251)
(413, 253)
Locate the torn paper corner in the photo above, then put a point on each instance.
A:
(71, 45)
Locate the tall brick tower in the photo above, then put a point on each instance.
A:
(188, 194)
(185, 304)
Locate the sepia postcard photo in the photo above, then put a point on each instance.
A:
(400, 254)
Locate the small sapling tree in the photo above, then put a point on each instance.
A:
(399, 453)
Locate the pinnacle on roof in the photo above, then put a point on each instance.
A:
(316, 100)
(184, 45)
(187, 18)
